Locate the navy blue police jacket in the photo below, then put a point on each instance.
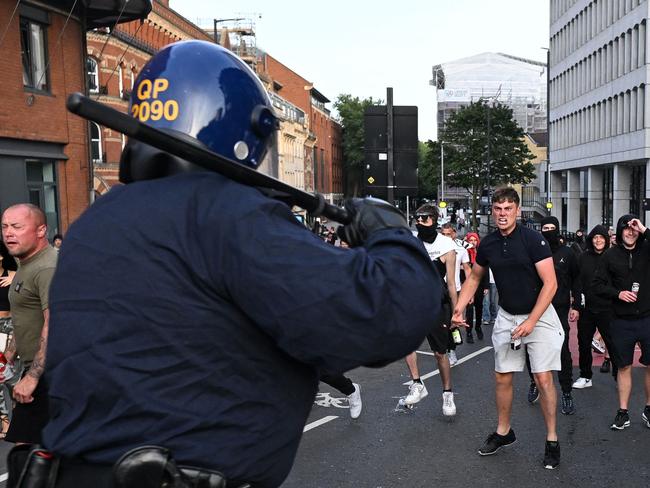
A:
(195, 313)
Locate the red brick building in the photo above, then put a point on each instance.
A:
(44, 150)
(114, 61)
(325, 159)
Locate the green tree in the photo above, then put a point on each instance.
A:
(485, 148)
(351, 111)
(428, 169)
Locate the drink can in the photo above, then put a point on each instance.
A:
(455, 335)
(635, 288)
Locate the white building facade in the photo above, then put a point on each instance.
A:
(599, 111)
(494, 77)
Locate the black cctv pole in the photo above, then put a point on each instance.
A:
(390, 181)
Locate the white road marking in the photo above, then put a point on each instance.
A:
(460, 361)
(320, 422)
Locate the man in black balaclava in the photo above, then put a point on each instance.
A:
(567, 275)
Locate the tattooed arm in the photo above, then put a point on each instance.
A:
(25, 387)
(38, 365)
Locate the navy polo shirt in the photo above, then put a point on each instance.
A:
(512, 260)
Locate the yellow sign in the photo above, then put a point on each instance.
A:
(371, 180)
(549, 205)
(442, 204)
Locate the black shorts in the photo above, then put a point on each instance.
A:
(625, 334)
(29, 419)
(438, 338)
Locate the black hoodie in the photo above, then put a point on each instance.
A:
(588, 262)
(619, 268)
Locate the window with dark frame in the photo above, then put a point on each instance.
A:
(42, 190)
(33, 45)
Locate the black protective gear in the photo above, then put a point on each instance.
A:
(369, 215)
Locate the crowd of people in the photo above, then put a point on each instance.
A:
(579, 283)
(600, 286)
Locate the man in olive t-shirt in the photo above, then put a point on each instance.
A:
(25, 235)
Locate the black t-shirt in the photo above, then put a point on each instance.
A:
(512, 260)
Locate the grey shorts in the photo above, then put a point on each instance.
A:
(544, 344)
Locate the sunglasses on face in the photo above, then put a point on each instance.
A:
(423, 217)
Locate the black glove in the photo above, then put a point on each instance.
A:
(369, 215)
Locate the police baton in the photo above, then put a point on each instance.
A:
(89, 109)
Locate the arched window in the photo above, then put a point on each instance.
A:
(93, 75)
(96, 143)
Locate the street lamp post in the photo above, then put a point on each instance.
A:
(489, 114)
(442, 171)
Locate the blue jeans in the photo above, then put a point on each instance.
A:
(491, 304)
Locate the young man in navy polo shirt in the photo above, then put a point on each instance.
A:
(521, 262)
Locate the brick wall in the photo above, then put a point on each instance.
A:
(163, 26)
(35, 116)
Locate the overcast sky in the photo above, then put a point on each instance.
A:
(361, 46)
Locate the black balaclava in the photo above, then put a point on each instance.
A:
(427, 233)
(552, 236)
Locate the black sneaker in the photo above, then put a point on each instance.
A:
(646, 415)
(568, 406)
(552, 455)
(494, 442)
(622, 420)
(533, 393)
(605, 366)
(479, 333)
(470, 337)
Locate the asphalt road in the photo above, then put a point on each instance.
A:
(389, 447)
(392, 447)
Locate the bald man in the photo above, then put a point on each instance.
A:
(24, 233)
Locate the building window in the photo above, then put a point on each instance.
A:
(608, 197)
(41, 187)
(132, 76)
(92, 68)
(637, 189)
(96, 143)
(34, 54)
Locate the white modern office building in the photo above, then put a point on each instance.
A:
(599, 111)
(516, 82)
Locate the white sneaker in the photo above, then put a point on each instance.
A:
(581, 383)
(448, 405)
(417, 391)
(354, 401)
(452, 358)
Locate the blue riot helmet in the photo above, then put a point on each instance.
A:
(204, 93)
